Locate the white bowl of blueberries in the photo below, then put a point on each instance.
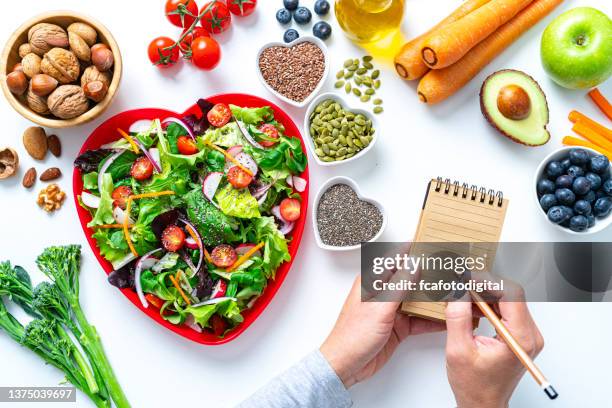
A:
(574, 190)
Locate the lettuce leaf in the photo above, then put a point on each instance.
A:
(252, 116)
(104, 213)
(226, 136)
(111, 243)
(276, 250)
(228, 309)
(237, 202)
(213, 225)
(90, 181)
(170, 159)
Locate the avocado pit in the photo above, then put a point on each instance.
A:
(513, 102)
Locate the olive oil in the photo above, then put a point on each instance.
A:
(367, 21)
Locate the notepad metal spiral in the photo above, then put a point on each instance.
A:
(477, 193)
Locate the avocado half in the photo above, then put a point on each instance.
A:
(529, 126)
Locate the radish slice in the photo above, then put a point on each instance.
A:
(191, 243)
(210, 185)
(248, 162)
(182, 123)
(105, 167)
(90, 200)
(139, 126)
(262, 199)
(234, 150)
(244, 248)
(140, 265)
(299, 184)
(276, 212)
(287, 228)
(289, 180)
(261, 190)
(214, 301)
(219, 289)
(191, 323)
(119, 216)
(156, 159)
(120, 263)
(199, 239)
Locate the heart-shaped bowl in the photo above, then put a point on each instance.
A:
(107, 132)
(352, 184)
(314, 40)
(342, 101)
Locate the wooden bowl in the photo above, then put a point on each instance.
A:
(10, 57)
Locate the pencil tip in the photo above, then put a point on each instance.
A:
(550, 391)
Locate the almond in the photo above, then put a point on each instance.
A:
(35, 142)
(51, 173)
(55, 146)
(29, 178)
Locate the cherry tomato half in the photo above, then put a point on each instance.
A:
(188, 39)
(181, 13)
(120, 196)
(238, 177)
(159, 56)
(142, 169)
(270, 131)
(216, 17)
(205, 53)
(223, 256)
(219, 115)
(218, 324)
(290, 209)
(173, 238)
(241, 7)
(186, 145)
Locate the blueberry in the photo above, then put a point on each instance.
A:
(321, 7)
(283, 16)
(545, 186)
(566, 163)
(606, 175)
(564, 181)
(607, 187)
(554, 170)
(594, 179)
(575, 171)
(291, 35)
(322, 30)
(579, 223)
(600, 194)
(291, 4)
(599, 164)
(579, 156)
(302, 15)
(582, 207)
(591, 220)
(569, 212)
(547, 201)
(581, 186)
(565, 196)
(557, 215)
(589, 197)
(602, 207)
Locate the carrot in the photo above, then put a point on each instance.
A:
(408, 62)
(230, 158)
(245, 257)
(601, 102)
(439, 84)
(450, 43)
(574, 141)
(110, 226)
(592, 136)
(195, 238)
(130, 140)
(576, 117)
(178, 287)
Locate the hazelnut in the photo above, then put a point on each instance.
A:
(9, 162)
(43, 84)
(513, 102)
(102, 58)
(85, 31)
(61, 64)
(17, 67)
(24, 49)
(31, 65)
(79, 47)
(95, 90)
(68, 101)
(35, 142)
(91, 73)
(98, 46)
(43, 37)
(37, 103)
(17, 82)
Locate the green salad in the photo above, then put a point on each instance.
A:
(194, 213)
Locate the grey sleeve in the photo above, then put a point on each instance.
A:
(311, 383)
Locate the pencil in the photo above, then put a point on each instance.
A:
(516, 348)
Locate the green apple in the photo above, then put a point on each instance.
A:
(576, 48)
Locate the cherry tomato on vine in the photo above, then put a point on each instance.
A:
(188, 39)
(241, 7)
(186, 145)
(206, 53)
(219, 115)
(181, 13)
(216, 17)
(159, 56)
(269, 130)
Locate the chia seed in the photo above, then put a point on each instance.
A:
(345, 220)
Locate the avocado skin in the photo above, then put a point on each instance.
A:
(491, 120)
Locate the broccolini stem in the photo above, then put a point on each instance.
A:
(81, 362)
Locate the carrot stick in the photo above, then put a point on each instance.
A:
(130, 140)
(574, 141)
(576, 117)
(408, 62)
(230, 158)
(178, 287)
(245, 257)
(195, 238)
(126, 231)
(439, 84)
(110, 226)
(592, 136)
(601, 102)
(450, 43)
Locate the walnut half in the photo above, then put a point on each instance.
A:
(51, 198)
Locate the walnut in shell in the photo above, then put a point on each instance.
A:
(68, 101)
(30, 65)
(9, 162)
(85, 31)
(44, 36)
(61, 64)
(79, 47)
(37, 103)
(91, 74)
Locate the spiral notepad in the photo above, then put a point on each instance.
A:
(456, 212)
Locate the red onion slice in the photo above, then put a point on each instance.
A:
(188, 261)
(191, 323)
(285, 226)
(137, 275)
(156, 158)
(148, 155)
(182, 123)
(214, 301)
(120, 263)
(105, 167)
(246, 134)
(261, 199)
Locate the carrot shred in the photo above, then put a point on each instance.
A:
(601, 102)
(195, 238)
(131, 141)
(245, 257)
(575, 116)
(154, 194)
(592, 136)
(574, 141)
(230, 158)
(110, 226)
(178, 287)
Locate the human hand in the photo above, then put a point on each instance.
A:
(483, 371)
(366, 334)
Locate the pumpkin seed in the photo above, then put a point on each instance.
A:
(340, 74)
(347, 87)
(349, 75)
(370, 91)
(368, 65)
(348, 63)
(353, 68)
(378, 101)
(377, 84)
(357, 92)
(375, 74)
(378, 109)
(361, 71)
(367, 58)
(365, 98)
(339, 84)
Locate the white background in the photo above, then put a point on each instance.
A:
(158, 368)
